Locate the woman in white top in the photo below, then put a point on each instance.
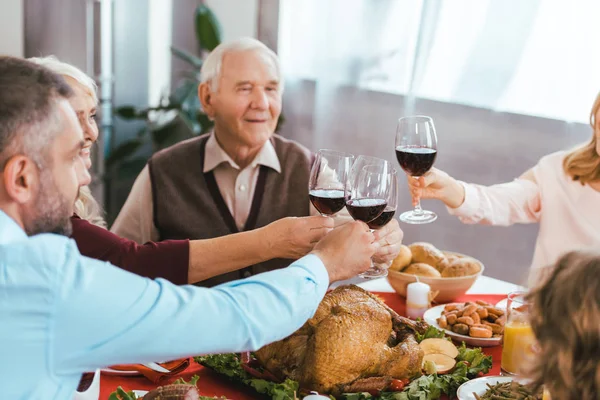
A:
(561, 193)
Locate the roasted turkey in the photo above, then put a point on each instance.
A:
(353, 343)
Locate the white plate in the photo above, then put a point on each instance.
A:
(502, 304)
(140, 393)
(434, 313)
(465, 391)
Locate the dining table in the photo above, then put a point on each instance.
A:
(211, 383)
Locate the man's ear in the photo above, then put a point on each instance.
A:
(21, 176)
(205, 95)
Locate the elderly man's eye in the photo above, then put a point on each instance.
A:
(93, 117)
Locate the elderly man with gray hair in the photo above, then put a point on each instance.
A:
(241, 176)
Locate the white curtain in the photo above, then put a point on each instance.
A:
(485, 70)
(534, 57)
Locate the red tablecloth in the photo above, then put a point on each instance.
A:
(212, 384)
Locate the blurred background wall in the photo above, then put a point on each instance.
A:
(12, 28)
(505, 82)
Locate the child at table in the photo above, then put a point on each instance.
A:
(565, 318)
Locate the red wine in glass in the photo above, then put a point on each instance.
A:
(327, 201)
(416, 151)
(385, 217)
(415, 160)
(365, 210)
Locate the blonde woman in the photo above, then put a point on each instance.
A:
(564, 318)
(561, 193)
(179, 261)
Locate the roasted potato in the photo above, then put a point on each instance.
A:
(476, 319)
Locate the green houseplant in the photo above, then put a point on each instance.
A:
(181, 107)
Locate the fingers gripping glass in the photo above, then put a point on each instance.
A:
(416, 150)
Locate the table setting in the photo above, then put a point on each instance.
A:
(429, 325)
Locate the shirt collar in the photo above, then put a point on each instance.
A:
(10, 231)
(214, 155)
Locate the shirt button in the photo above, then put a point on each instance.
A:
(243, 188)
(247, 274)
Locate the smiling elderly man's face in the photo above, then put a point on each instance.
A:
(247, 103)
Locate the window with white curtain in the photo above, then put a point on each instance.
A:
(534, 57)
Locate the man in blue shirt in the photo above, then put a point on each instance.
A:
(62, 314)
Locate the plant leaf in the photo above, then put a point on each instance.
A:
(208, 29)
(124, 150)
(188, 57)
(127, 112)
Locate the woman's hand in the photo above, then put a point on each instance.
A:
(436, 184)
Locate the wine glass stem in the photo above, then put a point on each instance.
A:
(418, 210)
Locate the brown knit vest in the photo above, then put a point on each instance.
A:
(188, 204)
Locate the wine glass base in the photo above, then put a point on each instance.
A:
(424, 217)
(374, 273)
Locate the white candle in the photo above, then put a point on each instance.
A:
(417, 299)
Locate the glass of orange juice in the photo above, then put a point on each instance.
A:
(518, 348)
(546, 395)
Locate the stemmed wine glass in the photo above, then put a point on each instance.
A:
(416, 150)
(387, 215)
(328, 179)
(367, 196)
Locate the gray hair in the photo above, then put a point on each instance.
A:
(29, 117)
(211, 68)
(64, 69)
(86, 207)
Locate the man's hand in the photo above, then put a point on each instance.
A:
(294, 237)
(347, 250)
(389, 239)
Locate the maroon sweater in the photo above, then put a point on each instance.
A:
(168, 259)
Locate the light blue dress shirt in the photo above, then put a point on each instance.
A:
(62, 314)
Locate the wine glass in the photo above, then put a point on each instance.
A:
(328, 178)
(392, 203)
(367, 194)
(416, 150)
(386, 216)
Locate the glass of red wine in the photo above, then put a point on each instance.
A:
(392, 203)
(416, 150)
(328, 179)
(367, 196)
(386, 216)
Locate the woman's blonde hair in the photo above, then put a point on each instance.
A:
(565, 318)
(583, 163)
(86, 207)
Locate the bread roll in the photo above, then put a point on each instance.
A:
(422, 269)
(404, 258)
(427, 253)
(462, 267)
